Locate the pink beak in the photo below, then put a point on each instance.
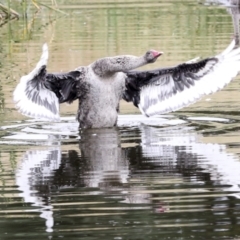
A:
(156, 53)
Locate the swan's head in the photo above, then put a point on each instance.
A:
(152, 55)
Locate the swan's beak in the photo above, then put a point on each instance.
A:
(157, 54)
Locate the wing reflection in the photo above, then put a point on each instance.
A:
(233, 8)
(110, 161)
(183, 148)
(33, 176)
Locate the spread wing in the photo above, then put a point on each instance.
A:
(166, 90)
(38, 93)
(64, 85)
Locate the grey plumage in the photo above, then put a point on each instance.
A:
(100, 86)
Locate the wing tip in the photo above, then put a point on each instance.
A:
(44, 56)
(229, 48)
(45, 47)
(142, 111)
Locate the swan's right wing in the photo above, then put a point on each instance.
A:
(165, 90)
(38, 93)
(32, 98)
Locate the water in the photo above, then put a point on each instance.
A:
(175, 176)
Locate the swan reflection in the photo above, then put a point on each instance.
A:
(105, 164)
(233, 8)
(110, 162)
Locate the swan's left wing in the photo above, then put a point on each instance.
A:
(166, 90)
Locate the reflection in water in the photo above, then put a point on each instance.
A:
(182, 149)
(32, 177)
(109, 165)
(233, 8)
(105, 165)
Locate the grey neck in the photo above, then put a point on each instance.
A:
(111, 65)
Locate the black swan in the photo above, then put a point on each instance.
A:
(101, 85)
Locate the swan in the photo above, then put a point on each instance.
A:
(99, 88)
(101, 85)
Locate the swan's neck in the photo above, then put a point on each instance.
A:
(111, 65)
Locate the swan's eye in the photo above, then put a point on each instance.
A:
(148, 54)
